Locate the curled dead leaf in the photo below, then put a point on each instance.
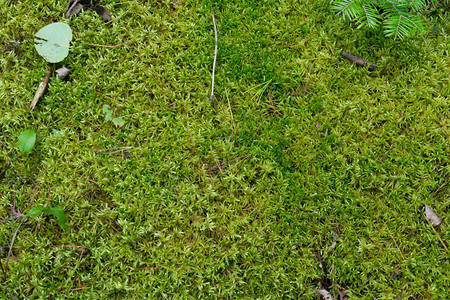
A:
(102, 12)
(431, 216)
(75, 7)
(326, 295)
(62, 73)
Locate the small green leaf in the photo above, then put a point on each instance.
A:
(119, 122)
(56, 211)
(26, 142)
(108, 113)
(52, 42)
(59, 214)
(34, 212)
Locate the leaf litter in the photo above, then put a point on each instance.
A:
(75, 7)
(63, 73)
(326, 295)
(432, 216)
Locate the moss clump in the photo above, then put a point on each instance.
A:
(244, 201)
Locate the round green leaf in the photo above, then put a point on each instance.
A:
(26, 141)
(52, 42)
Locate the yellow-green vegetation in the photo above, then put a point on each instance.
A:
(310, 171)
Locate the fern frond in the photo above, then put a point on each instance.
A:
(370, 17)
(399, 22)
(416, 5)
(350, 9)
(364, 12)
(398, 17)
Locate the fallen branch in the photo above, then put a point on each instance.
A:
(359, 61)
(215, 58)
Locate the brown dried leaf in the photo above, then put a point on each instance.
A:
(62, 72)
(431, 216)
(74, 7)
(101, 11)
(326, 295)
(13, 212)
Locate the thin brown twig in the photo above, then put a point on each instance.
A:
(30, 241)
(218, 166)
(105, 46)
(240, 161)
(215, 58)
(323, 4)
(106, 133)
(432, 227)
(113, 227)
(442, 185)
(95, 182)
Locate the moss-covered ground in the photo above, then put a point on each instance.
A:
(309, 173)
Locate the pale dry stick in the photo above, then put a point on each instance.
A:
(12, 296)
(394, 241)
(110, 21)
(215, 58)
(442, 185)
(12, 243)
(442, 242)
(41, 89)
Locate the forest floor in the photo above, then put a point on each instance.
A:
(307, 173)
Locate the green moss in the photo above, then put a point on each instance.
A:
(309, 151)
